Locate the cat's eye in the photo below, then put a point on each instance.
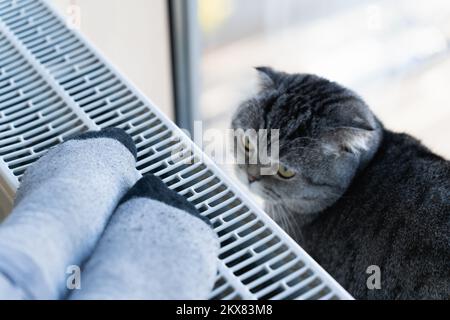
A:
(285, 172)
(247, 143)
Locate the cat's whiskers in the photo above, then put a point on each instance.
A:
(286, 219)
(290, 222)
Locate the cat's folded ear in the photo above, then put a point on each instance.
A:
(268, 77)
(356, 129)
(355, 115)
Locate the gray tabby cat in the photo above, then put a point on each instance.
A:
(351, 192)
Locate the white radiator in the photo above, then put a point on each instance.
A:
(53, 83)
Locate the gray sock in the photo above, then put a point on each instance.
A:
(156, 246)
(63, 204)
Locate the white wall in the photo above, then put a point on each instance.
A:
(134, 36)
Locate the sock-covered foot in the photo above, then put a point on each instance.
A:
(62, 206)
(156, 246)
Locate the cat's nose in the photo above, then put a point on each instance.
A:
(251, 178)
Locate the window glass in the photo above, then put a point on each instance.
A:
(393, 53)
